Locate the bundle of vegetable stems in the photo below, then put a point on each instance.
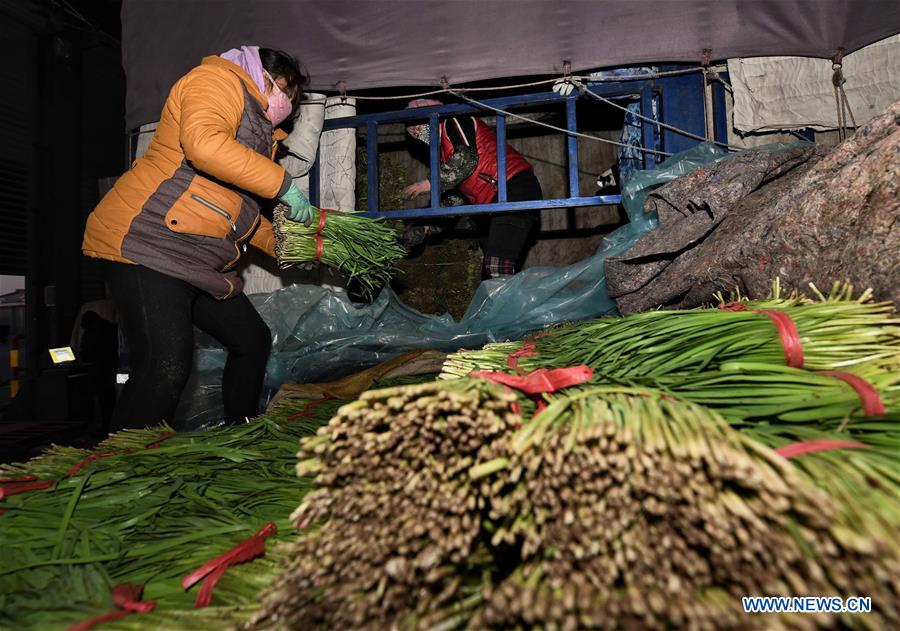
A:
(149, 516)
(697, 516)
(439, 506)
(646, 498)
(363, 249)
(400, 525)
(731, 361)
(836, 333)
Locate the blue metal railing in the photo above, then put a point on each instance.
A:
(616, 90)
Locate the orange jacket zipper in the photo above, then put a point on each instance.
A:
(215, 209)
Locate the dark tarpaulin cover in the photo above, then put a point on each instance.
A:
(392, 43)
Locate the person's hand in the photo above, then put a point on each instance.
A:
(424, 186)
(299, 208)
(565, 87)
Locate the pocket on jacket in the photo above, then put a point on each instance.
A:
(198, 212)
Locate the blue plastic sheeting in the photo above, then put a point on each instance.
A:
(320, 335)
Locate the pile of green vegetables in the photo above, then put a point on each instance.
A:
(150, 516)
(649, 494)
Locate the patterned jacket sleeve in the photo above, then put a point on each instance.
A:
(458, 167)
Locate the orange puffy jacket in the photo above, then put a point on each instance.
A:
(189, 205)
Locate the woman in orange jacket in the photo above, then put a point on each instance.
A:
(173, 227)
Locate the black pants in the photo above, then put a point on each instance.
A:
(508, 232)
(157, 314)
(99, 349)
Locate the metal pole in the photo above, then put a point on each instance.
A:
(314, 173)
(372, 160)
(501, 158)
(646, 126)
(572, 144)
(434, 159)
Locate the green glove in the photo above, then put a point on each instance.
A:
(299, 208)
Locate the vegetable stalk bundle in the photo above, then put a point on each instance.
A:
(363, 249)
(398, 519)
(128, 513)
(748, 392)
(735, 365)
(835, 333)
(437, 506)
(863, 476)
(651, 513)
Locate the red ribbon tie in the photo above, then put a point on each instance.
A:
(307, 410)
(213, 570)
(537, 382)
(75, 468)
(787, 331)
(790, 337)
(128, 598)
(810, 446)
(541, 380)
(21, 478)
(15, 488)
(323, 213)
(529, 349)
(162, 438)
(872, 404)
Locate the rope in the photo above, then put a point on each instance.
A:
(841, 102)
(837, 109)
(849, 111)
(460, 93)
(555, 128)
(513, 86)
(661, 124)
(714, 77)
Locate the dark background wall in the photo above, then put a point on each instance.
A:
(61, 129)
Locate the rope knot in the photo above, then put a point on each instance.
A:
(837, 77)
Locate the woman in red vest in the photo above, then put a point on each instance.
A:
(468, 155)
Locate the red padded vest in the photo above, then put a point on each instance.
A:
(481, 186)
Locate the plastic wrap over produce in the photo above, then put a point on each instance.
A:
(321, 335)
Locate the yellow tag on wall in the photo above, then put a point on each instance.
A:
(62, 355)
